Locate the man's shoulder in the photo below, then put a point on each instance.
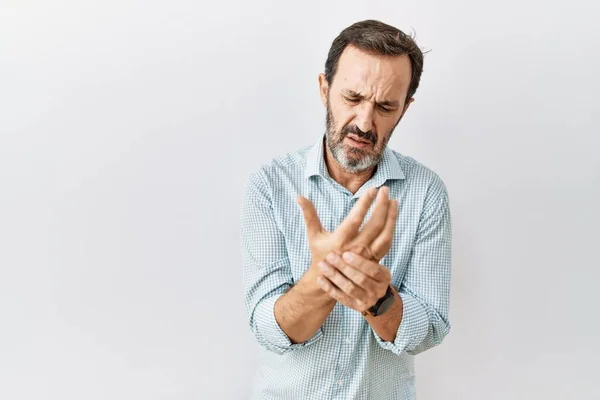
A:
(417, 174)
(415, 169)
(289, 166)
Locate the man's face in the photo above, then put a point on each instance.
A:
(364, 105)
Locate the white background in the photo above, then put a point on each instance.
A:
(127, 129)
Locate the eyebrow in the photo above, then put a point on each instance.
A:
(389, 103)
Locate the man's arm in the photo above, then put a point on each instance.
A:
(418, 318)
(425, 290)
(303, 309)
(268, 276)
(386, 325)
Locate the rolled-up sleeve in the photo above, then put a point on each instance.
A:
(266, 268)
(425, 290)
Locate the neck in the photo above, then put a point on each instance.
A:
(349, 180)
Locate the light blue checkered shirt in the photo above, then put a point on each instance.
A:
(345, 359)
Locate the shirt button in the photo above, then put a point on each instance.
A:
(340, 382)
(347, 340)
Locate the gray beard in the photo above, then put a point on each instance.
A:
(359, 163)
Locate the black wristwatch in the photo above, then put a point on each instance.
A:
(382, 305)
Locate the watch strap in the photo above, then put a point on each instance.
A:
(375, 310)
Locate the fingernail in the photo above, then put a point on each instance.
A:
(323, 266)
(348, 256)
(332, 257)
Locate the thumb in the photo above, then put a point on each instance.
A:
(311, 219)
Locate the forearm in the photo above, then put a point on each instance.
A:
(386, 325)
(421, 327)
(303, 309)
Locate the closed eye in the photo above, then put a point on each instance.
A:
(385, 109)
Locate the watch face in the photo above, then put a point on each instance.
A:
(387, 303)
(383, 304)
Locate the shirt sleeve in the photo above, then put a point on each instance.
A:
(267, 272)
(425, 290)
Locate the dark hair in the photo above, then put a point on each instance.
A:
(377, 38)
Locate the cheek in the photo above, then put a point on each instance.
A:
(342, 116)
(384, 127)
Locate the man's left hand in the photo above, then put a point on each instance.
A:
(353, 280)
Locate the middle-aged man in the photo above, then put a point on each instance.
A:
(347, 243)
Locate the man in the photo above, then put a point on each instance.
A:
(346, 243)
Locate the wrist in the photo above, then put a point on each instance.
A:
(383, 304)
(310, 288)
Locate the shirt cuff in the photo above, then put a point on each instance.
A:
(413, 326)
(270, 331)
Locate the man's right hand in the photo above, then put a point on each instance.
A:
(372, 242)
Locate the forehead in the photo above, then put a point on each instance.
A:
(373, 74)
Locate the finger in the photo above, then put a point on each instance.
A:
(311, 219)
(382, 243)
(377, 221)
(355, 218)
(349, 288)
(356, 275)
(373, 270)
(328, 287)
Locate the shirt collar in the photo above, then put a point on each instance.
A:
(388, 167)
(315, 161)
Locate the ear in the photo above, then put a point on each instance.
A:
(407, 104)
(323, 89)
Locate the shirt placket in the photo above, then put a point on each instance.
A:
(345, 331)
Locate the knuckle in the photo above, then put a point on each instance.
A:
(360, 248)
(369, 254)
(379, 223)
(361, 280)
(379, 275)
(364, 249)
(355, 220)
(386, 238)
(351, 289)
(342, 298)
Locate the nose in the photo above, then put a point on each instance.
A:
(364, 117)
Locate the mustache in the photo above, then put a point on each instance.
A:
(369, 135)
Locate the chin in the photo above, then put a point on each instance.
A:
(357, 164)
